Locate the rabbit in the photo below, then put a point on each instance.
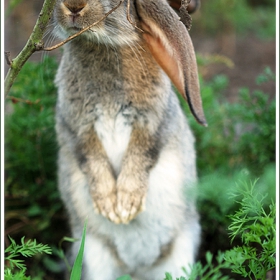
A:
(127, 162)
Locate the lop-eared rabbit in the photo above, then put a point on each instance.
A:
(127, 157)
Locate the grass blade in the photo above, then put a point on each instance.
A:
(78, 264)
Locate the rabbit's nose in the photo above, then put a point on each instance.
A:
(75, 7)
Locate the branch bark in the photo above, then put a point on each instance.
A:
(34, 43)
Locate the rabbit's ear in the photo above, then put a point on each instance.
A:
(171, 46)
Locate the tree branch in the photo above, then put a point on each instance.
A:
(33, 44)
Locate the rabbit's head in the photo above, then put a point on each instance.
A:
(71, 16)
(164, 34)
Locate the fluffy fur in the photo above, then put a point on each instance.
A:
(127, 157)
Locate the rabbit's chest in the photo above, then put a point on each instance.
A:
(113, 130)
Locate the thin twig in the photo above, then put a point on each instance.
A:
(16, 100)
(33, 43)
(83, 30)
(8, 58)
(129, 18)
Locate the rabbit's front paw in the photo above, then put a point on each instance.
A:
(105, 205)
(104, 197)
(130, 202)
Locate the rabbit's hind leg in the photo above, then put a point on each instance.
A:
(181, 255)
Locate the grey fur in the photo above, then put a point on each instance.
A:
(127, 157)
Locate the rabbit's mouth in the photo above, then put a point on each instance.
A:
(75, 28)
(74, 16)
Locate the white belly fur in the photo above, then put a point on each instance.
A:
(114, 134)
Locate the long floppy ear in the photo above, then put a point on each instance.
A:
(170, 44)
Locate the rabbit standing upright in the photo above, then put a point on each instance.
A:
(127, 157)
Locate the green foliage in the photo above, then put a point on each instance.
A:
(264, 22)
(240, 134)
(257, 228)
(25, 249)
(29, 129)
(254, 119)
(18, 275)
(76, 272)
(11, 6)
(60, 252)
(210, 270)
(266, 76)
(168, 276)
(236, 16)
(256, 255)
(232, 13)
(31, 193)
(30, 145)
(215, 201)
(124, 277)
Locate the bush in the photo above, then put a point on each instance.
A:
(33, 206)
(239, 135)
(237, 16)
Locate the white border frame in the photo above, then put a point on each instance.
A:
(277, 140)
(2, 142)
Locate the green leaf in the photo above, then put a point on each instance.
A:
(78, 264)
(18, 275)
(209, 257)
(168, 276)
(124, 277)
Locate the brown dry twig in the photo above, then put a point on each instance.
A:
(192, 6)
(184, 14)
(129, 18)
(8, 58)
(16, 100)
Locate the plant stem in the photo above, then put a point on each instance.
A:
(33, 44)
